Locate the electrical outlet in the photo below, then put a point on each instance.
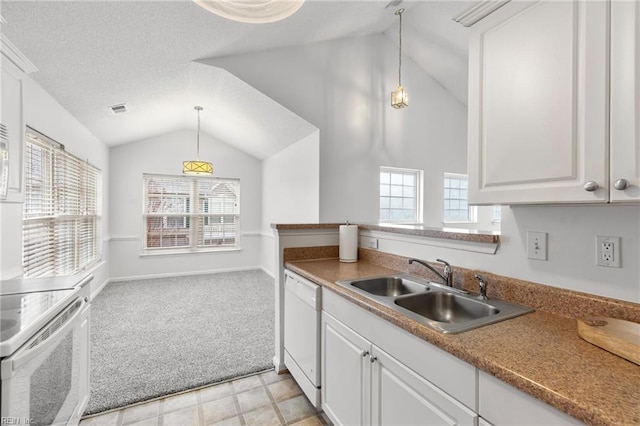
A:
(369, 242)
(537, 245)
(608, 251)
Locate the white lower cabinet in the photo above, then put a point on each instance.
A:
(346, 374)
(502, 404)
(363, 385)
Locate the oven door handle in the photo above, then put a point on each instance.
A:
(45, 338)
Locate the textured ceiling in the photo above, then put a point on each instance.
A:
(93, 54)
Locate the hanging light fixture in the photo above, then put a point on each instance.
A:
(399, 97)
(197, 167)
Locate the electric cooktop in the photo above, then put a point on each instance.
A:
(23, 314)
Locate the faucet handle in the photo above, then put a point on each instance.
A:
(482, 282)
(448, 272)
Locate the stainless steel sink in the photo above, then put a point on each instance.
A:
(447, 307)
(389, 286)
(441, 308)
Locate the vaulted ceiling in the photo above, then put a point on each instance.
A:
(92, 54)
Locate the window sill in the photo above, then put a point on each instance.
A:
(154, 253)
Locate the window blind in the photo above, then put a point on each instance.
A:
(190, 213)
(61, 211)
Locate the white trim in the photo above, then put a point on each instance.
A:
(16, 56)
(184, 274)
(393, 239)
(124, 237)
(137, 237)
(204, 250)
(270, 273)
(251, 234)
(478, 11)
(99, 289)
(280, 367)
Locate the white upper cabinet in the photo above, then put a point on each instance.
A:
(625, 110)
(539, 104)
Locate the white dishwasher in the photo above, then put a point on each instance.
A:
(302, 305)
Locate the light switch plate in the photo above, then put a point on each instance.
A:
(537, 245)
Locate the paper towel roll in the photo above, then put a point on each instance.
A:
(348, 243)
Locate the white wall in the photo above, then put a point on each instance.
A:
(43, 113)
(343, 87)
(290, 191)
(164, 155)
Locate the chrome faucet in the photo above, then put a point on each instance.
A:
(482, 282)
(447, 277)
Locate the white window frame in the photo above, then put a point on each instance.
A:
(472, 215)
(62, 210)
(418, 209)
(496, 214)
(192, 216)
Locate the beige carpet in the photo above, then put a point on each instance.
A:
(155, 337)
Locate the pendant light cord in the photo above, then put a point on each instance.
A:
(400, 51)
(198, 108)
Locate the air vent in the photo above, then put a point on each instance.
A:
(393, 3)
(119, 109)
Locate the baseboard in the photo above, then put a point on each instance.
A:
(100, 288)
(280, 367)
(271, 274)
(182, 274)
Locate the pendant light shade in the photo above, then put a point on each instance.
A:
(399, 97)
(197, 167)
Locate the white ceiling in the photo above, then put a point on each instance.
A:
(92, 54)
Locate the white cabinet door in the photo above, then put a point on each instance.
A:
(625, 110)
(538, 96)
(11, 116)
(346, 373)
(401, 397)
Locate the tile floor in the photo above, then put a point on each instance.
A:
(263, 399)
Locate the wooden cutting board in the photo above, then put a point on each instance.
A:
(614, 335)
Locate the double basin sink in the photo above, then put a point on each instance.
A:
(444, 309)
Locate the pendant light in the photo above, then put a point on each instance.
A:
(197, 167)
(399, 97)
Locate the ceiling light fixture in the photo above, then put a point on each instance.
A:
(252, 11)
(399, 97)
(197, 167)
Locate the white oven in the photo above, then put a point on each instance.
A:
(43, 381)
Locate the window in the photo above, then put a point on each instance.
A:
(456, 208)
(61, 210)
(400, 195)
(187, 213)
(496, 214)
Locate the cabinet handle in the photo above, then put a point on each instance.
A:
(372, 358)
(590, 186)
(621, 184)
(364, 353)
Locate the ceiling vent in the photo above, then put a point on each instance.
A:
(119, 109)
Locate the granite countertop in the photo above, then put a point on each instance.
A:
(539, 353)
